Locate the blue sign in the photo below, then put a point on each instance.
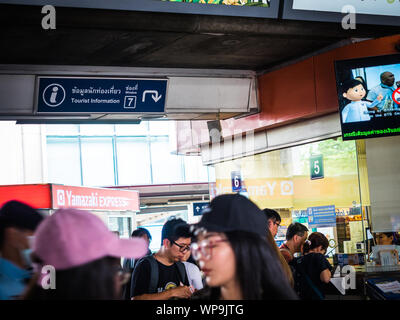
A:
(324, 216)
(198, 208)
(236, 181)
(100, 95)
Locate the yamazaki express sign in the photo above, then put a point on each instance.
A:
(94, 198)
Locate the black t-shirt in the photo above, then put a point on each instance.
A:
(168, 278)
(313, 264)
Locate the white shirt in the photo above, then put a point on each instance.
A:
(356, 111)
(194, 275)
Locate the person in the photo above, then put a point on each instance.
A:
(162, 276)
(356, 110)
(274, 220)
(296, 235)
(385, 89)
(285, 266)
(234, 255)
(128, 265)
(18, 222)
(193, 272)
(312, 271)
(384, 238)
(83, 256)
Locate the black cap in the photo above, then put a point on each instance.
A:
(233, 212)
(20, 215)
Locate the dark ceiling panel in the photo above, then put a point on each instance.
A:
(147, 39)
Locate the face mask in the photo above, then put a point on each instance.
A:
(26, 255)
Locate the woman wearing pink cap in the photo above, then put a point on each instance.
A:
(78, 258)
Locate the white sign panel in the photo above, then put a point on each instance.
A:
(374, 7)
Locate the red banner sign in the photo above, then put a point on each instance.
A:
(94, 198)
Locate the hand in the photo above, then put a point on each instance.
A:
(182, 292)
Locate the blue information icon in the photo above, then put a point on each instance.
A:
(54, 95)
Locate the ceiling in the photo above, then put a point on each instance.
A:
(94, 37)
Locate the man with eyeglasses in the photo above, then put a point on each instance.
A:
(274, 220)
(162, 276)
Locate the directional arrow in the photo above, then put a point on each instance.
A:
(154, 95)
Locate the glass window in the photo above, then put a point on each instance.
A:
(132, 129)
(62, 130)
(63, 161)
(284, 180)
(97, 129)
(211, 173)
(133, 160)
(166, 167)
(123, 225)
(160, 128)
(97, 162)
(194, 169)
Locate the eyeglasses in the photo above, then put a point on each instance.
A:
(278, 224)
(204, 248)
(182, 248)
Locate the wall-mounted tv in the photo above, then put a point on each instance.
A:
(369, 96)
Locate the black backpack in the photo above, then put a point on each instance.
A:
(154, 273)
(303, 285)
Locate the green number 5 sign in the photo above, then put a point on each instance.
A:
(316, 167)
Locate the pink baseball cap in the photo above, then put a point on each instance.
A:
(71, 237)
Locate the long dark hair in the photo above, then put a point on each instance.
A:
(92, 281)
(258, 268)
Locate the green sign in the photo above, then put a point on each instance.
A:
(316, 167)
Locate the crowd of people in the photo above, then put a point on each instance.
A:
(229, 255)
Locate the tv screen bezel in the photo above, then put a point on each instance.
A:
(365, 62)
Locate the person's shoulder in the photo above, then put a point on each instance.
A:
(143, 262)
(190, 266)
(318, 257)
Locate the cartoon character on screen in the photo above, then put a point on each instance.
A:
(357, 110)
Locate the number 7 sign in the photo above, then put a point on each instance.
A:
(130, 102)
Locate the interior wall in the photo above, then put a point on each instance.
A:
(22, 154)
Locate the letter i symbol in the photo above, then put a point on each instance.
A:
(54, 95)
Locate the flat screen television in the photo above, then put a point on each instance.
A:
(369, 96)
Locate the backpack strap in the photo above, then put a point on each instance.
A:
(182, 272)
(153, 273)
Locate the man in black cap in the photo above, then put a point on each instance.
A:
(18, 222)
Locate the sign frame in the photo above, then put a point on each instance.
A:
(236, 175)
(271, 12)
(320, 174)
(201, 204)
(324, 16)
(60, 113)
(313, 224)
